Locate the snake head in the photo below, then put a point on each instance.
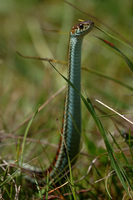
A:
(82, 28)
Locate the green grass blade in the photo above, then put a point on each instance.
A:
(10, 177)
(115, 142)
(129, 63)
(47, 185)
(70, 167)
(113, 157)
(107, 77)
(25, 135)
(38, 188)
(112, 36)
(71, 178)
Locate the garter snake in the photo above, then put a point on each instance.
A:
(71, 126)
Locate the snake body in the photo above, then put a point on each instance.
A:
(71, 128)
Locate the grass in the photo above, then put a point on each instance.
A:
(41, 29)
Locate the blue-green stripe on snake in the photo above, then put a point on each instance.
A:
(71, 128)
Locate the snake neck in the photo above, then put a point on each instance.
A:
(74, 65)
(72, 125)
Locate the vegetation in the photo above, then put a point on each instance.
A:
(41, 29)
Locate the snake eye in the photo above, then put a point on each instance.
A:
(81, 26)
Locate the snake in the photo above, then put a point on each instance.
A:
(69, 145)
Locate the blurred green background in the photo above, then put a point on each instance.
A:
(41, 28)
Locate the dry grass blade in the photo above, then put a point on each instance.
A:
(57, 188)
(4, 135)
(122, 116)
(44, 59)
(88, 171)
(80, 191)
